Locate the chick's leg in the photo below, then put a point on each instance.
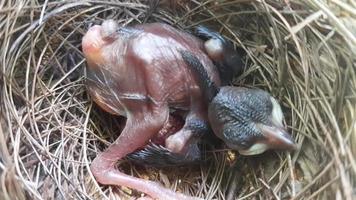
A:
(185, 140)
(138, 130)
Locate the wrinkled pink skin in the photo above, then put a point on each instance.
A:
(142, 77)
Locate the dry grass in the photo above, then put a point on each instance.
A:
(303, 52)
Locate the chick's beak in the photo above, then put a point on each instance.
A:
(277, 138)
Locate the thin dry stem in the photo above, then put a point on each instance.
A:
(301, 52)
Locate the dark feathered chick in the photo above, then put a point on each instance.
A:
(248, 120)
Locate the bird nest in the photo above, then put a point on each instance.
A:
(302, 52)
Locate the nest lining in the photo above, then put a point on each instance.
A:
(301, 52)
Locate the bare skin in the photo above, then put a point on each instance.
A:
(139, 73)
